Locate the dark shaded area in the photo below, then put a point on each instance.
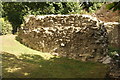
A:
(86, 5)
(15, 20)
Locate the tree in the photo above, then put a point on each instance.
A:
(14, 11)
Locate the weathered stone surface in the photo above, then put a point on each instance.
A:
(113, 30)
(114, 71)
(106, 60)
(75, 36)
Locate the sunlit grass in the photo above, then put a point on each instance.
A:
(11, 45)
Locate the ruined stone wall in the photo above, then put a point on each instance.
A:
(75, 36)
(113, 34)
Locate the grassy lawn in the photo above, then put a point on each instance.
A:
(22, 62)
(10, 45)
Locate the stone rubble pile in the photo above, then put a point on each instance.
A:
(80, 37)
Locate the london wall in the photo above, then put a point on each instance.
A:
(81, 37)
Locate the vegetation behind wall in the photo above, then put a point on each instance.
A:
(14, 11)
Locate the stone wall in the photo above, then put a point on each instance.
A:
(113, 29)
(79, 37)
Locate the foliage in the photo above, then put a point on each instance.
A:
(1, 10)
(15, 11)
(6, 26)
(114, 6)
(92, 6)
(72, 8)
(96, 6)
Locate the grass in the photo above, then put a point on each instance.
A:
(34, 66)
(10, 45)
(20, 61)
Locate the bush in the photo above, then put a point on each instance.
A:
(95, 6)
(6, 26)
(91, 7)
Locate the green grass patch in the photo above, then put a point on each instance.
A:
(11, 45)
(34, 66)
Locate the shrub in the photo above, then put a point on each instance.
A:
(6, 26)
(91, 7)
(95, 6)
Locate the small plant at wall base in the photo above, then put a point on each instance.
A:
(113, 53)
